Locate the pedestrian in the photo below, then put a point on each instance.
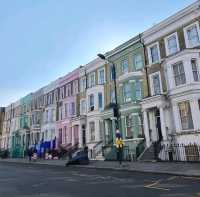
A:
(30, 153)
(119, 147)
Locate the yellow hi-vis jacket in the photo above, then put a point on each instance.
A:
(119, 143)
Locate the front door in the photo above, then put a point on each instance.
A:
(158, 126)
(83, 135)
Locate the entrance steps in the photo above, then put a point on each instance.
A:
(148, 154)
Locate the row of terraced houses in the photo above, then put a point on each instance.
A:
(157, 90)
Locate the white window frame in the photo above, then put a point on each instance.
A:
(134, 60)
(151, 83)
(81, 106)
(167, 46)
(99, 81)
(186, 35)
(179, 115)
(83, 82)
(90, 85)
(139, 82)
(126, 125)
(127, 99)
(122, 67)
(100, 108)
(174, 80)
(149, 53)
(91, 106)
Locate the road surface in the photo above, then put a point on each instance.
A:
(19, 180)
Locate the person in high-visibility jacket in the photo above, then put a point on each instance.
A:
(119, 146)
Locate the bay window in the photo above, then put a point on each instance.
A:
(185, 115)
(127, 92)
(179, 73)
(124, 66)
(195, 70)
(138, 61)
(91, 102)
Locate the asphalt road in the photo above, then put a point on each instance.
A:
(18, 180)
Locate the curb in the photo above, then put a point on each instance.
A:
(102, 168)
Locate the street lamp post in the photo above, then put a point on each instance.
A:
(116, 106)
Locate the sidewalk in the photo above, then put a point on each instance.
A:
(183, 169)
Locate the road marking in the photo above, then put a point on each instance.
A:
(172, 178)
(159, 188)
(191, 177)
(153, 186)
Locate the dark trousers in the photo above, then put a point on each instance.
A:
(29, 157)
(119, 154)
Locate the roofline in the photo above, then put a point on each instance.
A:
(194, 6)
(123, 46)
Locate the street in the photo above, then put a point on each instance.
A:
(18, 180)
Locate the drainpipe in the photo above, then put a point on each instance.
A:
(145, 67)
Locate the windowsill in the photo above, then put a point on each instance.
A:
(190, 47)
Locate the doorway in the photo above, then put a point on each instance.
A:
(83, 135)
(158, 126)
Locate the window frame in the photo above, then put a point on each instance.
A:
(138, 90)
(187, 43)
(142, 61)
(174, 77)
(197, 70)
(99, 81)
(100, 107)
(167, 44)
(152, 85)
(129, 126)
(83, 110)
(180, 118)
(92, 137)
(122, 66)
(90, 107)
(90, 81)
(149, 53)
(127, 99)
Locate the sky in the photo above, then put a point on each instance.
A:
(41, 40)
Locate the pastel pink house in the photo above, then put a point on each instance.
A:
(67, 134)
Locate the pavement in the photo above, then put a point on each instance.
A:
(20, 180)
(170, 168)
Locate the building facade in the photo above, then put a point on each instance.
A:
(92, 103)
(2, 116)
(128, 60)
(67, 130)
(50, 113)
(171, 110)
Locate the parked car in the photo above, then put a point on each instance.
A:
(4, 154)
(79, 157)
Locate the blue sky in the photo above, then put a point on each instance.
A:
(41, 40)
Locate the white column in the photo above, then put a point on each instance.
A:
(106, 132)
(163, 125)
(73, 140)
(146, 128)
(113, 128)
(80, 136)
